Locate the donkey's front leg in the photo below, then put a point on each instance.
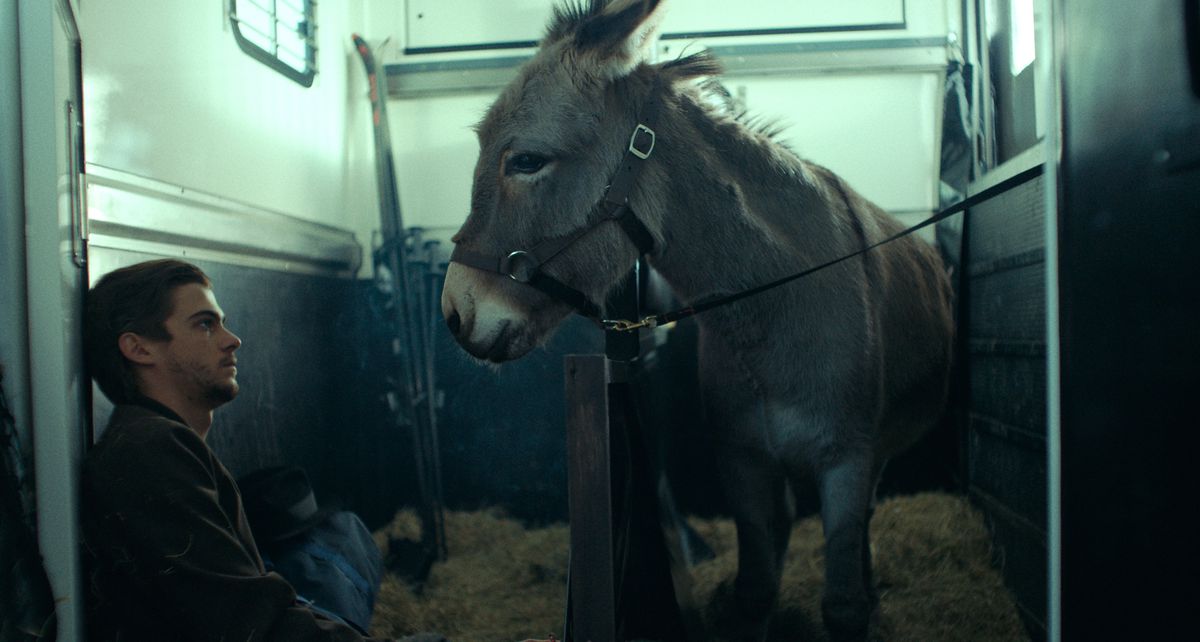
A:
(846, 490)
(757, 490)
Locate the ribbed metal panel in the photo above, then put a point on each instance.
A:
(1006, 367)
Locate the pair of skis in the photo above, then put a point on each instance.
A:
(412, 400)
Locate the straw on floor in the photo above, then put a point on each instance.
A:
(934, 568)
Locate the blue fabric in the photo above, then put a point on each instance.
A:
(335, 566)
(322, 553)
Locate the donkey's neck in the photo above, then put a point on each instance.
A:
(735, 209)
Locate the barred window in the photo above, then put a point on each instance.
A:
(279, 33)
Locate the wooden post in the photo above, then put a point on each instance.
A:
(592, 597)
(620, 582)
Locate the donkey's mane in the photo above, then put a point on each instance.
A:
(709, 93)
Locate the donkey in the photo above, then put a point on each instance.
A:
(823, 379)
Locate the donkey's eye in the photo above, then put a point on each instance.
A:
(524, 164)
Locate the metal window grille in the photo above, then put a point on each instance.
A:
(280, 33)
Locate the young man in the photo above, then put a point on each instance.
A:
(171, 554)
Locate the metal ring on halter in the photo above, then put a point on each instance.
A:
(511, 265)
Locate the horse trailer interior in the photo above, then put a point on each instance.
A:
(326, 165)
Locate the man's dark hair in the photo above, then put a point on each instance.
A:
(135, 299)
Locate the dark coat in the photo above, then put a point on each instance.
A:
(169, 550)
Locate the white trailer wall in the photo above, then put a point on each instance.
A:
(170, 97)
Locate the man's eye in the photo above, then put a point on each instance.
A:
(525, 164)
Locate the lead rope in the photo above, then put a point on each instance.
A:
(653, 321)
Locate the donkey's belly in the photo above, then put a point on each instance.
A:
(765, 399)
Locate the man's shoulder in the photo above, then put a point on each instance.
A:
(135, 432)
(135, 423)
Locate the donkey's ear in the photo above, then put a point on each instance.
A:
(618, 37)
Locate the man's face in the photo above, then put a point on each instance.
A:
(199, 358)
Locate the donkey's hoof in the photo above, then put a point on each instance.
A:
(847, 619)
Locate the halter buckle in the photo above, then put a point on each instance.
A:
(633, 148)
(625, 325)
(520, 266)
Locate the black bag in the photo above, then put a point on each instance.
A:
(329, 557)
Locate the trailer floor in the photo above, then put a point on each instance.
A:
(934, 568)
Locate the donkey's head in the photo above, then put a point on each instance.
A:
(548, 148)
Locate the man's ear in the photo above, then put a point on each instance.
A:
(136, 348)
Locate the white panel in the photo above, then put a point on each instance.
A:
(691, 16)
(435, 150)
(878, 131)
(823, 21)
(437, 23)
(170, 96)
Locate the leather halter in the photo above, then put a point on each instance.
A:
(525, 265)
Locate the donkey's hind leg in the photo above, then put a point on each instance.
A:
(868, 574)
(847, 490)
(763, 512)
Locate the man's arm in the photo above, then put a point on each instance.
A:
(166, 512)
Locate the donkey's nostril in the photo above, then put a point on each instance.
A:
(454, 323)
